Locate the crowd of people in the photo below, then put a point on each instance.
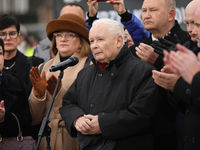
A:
(135, 85)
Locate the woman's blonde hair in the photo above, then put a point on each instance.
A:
(84, 50)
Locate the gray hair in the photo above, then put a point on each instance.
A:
(171, 4)
(114, 27)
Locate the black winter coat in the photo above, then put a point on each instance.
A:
(125, 92)
(12, 91)
(165, 133)
(186, 99)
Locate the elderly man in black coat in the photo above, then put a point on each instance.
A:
(112, 103)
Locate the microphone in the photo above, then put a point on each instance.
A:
(63, 65)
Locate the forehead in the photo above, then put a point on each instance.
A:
(100, 30)
(153, 3)
(197, 16)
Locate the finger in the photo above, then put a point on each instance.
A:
(32, 79)
(44, 76)
(165, 42)
(2, 104)
(84, 127)
(89, 116)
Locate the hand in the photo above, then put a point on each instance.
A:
(51, 84)
(165, 80)
(146, 53)
(2, 111)
(118, 5)
(92, 7)
(185, 63)
(94, 124)
(168, 43)
(38, 82)
(82, 125)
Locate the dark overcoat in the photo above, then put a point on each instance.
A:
(125, 92)
(12, 91)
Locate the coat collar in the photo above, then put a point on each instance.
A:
(118, 60)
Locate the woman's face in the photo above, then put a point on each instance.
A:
(67, 43)
(11, 38)
(1, 59)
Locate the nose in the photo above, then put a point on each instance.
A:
(190, 27)
(7, 37)
(146, 14)
(93, 45)
(194, 31)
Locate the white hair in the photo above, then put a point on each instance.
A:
(113, 26)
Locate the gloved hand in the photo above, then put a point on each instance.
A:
(38, 82)
(51, 85)
(168, 43)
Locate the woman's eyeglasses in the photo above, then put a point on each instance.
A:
(12, 35)
(68, 36)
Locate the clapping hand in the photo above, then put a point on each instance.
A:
(168, 43)
(51, 85)
(38, 82)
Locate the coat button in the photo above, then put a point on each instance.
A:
(193, 139)
(188, 91)
(92, 106)
(100, 75)
(112, 74)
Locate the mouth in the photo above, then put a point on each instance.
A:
(8, 44)
(62, 45)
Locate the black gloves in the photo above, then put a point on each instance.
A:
(168, 43)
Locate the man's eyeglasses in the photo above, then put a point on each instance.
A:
(68, 36)
(12, 35)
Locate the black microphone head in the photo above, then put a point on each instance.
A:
(75, 61)
(63, 65)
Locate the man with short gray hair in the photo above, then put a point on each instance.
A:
(112, 103)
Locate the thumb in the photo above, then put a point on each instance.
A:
(2, 104)
(89, 116)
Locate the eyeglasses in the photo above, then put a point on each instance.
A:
(68, 36)
(12, 35)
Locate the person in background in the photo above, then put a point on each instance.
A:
(132, 23)
(127, 38)
(173, 82)
(13, 99)
(112, 103)
(23, 44)
(15, 63)
(43, 49)
(185, 97)
(69, 37)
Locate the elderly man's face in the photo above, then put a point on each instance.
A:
(104, 44)
(154, 15)
(197, 25)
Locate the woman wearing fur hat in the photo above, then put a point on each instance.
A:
(69, 38)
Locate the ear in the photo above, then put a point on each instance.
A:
(171, 14)
(18, 38)
(119, 41)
